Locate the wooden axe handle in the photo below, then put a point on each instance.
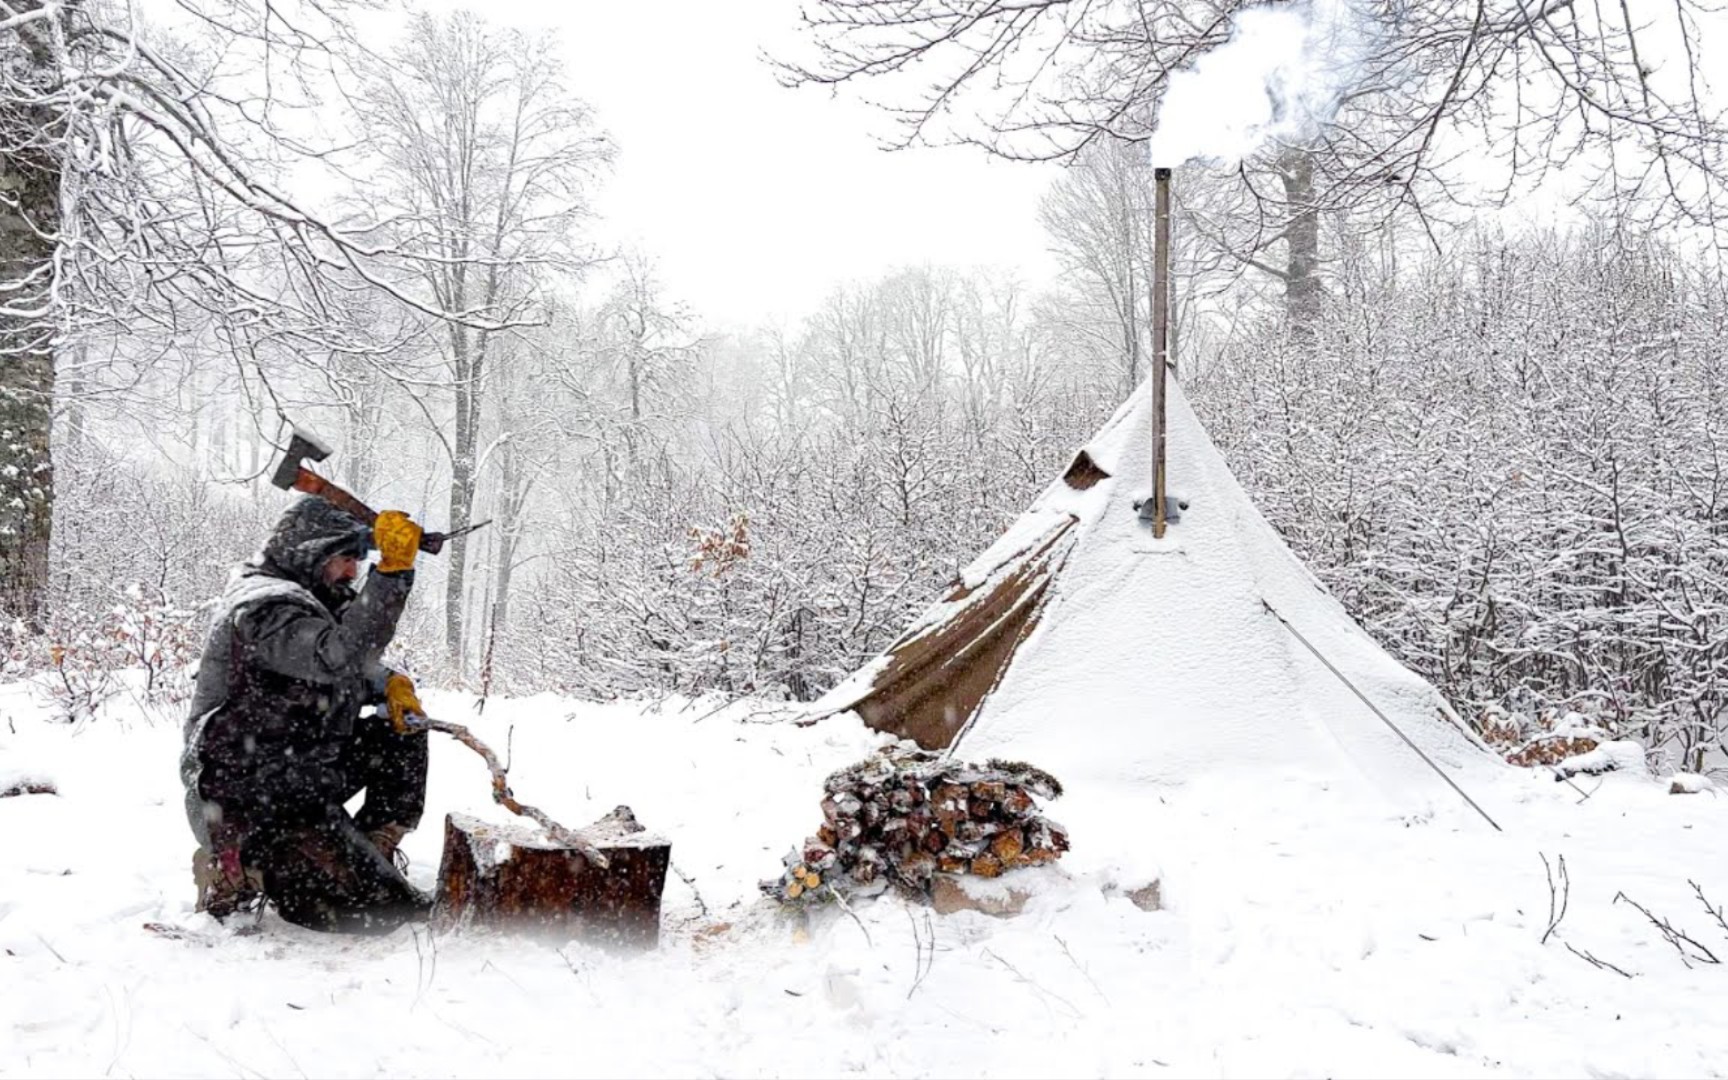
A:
(313, 484)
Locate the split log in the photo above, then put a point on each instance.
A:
(1008, 845)
(523, 879)
(989, 790)
(987, 865)
(918, 866)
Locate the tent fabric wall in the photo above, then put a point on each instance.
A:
(1080, 643)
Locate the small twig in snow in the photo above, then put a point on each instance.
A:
(690, 881)
(1559, 895)
(1088, 975)
(419, 966)
(511, 978)
(284, 1050)
(847, 908)
(454, 1026)
(569, 963)
(223, 1054)
(1582, 955)
(926, 958)
(1037, 988)
(119, 1028)
(971, 1020)
(720, 708)
(1677, 938)
(52, 949)
(918, 953)
(1715, 912)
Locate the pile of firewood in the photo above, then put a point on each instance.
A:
(904, 815)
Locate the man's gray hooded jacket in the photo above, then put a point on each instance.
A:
(287, 666)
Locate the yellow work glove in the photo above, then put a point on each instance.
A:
(402, 701)
(397, 539)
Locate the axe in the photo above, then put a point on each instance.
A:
(293, 475)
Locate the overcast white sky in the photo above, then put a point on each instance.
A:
(755, 200)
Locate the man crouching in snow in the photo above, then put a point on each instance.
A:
(275, 744)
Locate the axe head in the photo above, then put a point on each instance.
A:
(302, 447)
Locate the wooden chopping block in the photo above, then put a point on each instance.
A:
(528, 880)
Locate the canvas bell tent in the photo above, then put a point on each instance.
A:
(1080, 643)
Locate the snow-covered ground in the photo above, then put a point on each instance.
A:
(1305, 932)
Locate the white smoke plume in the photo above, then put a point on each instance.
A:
(1279, 77)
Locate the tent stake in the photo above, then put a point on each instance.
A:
(1396, 730)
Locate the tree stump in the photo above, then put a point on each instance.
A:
(525, 879)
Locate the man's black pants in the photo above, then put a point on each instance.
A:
(325, 873)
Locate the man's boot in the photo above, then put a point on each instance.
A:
(388, 840)
(224, 884)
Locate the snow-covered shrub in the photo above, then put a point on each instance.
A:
(1509, 464)
(1544, 735)
(139, 553)
(1618, 755)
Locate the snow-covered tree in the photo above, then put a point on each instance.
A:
(484, 161)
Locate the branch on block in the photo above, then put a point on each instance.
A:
(523, 879)
(501, 793)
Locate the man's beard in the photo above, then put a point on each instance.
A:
(336, 595)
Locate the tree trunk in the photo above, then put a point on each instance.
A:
(29, 221)
(512, 497)
(365, 413)
(461, 496)
(633, 432)
(1302, 278)
(221, 422)
(73, 433)
(501, 588)
(26, 473)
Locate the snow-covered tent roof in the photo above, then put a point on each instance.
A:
(1081, 644)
